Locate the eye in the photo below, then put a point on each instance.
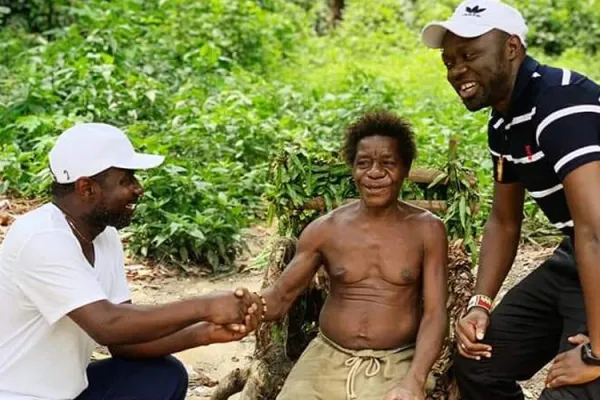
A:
(448, 64)
(470, 56)
(362, 163)
(389, 164)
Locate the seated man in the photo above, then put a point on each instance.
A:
(63, 287)
(383, 324)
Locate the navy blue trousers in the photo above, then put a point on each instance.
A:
(143, 379)
(529, 328)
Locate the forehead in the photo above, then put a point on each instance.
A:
(453, 43)
(379, 143)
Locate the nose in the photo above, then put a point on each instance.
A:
(375, 172)
(138, 189)
(457, 70)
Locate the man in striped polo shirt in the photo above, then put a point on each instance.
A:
(544, 137)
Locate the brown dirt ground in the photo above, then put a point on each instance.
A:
(208, 364)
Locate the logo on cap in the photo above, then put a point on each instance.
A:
(474, 11)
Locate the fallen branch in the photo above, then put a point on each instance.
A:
(233, 383)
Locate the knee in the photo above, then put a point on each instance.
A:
(174, 371)
(465, 368)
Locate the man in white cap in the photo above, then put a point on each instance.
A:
(544, 137)
(63, 288)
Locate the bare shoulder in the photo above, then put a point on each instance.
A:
(324, 226)
(424, 220)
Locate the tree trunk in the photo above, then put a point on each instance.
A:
(336, 8)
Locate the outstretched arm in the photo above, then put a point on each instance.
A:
(298, 274)
(434, 322)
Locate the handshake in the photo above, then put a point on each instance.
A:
(233, 314)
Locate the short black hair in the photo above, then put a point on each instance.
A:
(381, 123)
(62, 190)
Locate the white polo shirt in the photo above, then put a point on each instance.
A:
(44, 275)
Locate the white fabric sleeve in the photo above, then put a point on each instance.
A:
(120, 290)
(54, 274)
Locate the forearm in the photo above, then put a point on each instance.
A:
(587, 253)
(131, 324)
(187, 338)
(277, 303)
(430, 338)
(498, 250)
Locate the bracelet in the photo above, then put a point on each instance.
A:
(264, 304)
(481, 301)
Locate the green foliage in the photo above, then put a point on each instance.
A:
(248, 103)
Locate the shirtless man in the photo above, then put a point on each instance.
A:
(383, 324)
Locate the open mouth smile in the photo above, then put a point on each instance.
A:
(468, 89)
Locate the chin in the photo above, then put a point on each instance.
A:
(475, 105)
(377, 202)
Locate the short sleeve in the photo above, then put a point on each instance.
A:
(53, 273)
(568, 129)
(119, 289)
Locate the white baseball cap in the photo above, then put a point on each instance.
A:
(85, 150)
(473, 18)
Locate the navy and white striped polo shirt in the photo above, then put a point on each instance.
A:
(552, 128)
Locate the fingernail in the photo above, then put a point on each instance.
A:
(488, 355)
(478, 358)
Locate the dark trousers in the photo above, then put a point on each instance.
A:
(124, 379)
(528, 329)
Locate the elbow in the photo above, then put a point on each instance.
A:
(507, 228)
(103, 336)
(587, 234)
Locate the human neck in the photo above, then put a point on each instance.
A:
(503, 105)
(83, 230)
(382, 212)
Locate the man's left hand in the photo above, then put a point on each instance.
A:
(569, 369)
(407, 389)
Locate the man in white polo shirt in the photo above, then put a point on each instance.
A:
(63, 288)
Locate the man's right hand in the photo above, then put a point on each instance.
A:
(230, 307)
(469, 331)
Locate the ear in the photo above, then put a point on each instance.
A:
(514, 47)
(86, 188)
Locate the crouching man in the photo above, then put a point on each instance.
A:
(63, 288)
(382, 326)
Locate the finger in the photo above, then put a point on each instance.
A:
(480, 328)
(579, 339)
(554, 373)
(559, 381)
(474, 349)
(467, 330)
(462, 351)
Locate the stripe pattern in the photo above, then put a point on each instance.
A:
(553, 128)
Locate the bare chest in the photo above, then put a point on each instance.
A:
(394, 256)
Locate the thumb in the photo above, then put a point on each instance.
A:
(579, 339)
(480, 328)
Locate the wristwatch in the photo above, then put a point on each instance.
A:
(587, 356)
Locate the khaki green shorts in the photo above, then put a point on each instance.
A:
(327, 371)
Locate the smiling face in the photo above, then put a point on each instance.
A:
(378, 170)
(115, 200)
(479, 69)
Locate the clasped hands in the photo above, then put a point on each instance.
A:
(233, 314)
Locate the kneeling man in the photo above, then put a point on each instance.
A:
(383, 324)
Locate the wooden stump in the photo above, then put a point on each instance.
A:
(280, 343)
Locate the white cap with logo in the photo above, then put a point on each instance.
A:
(473, 18)
(87, 149)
